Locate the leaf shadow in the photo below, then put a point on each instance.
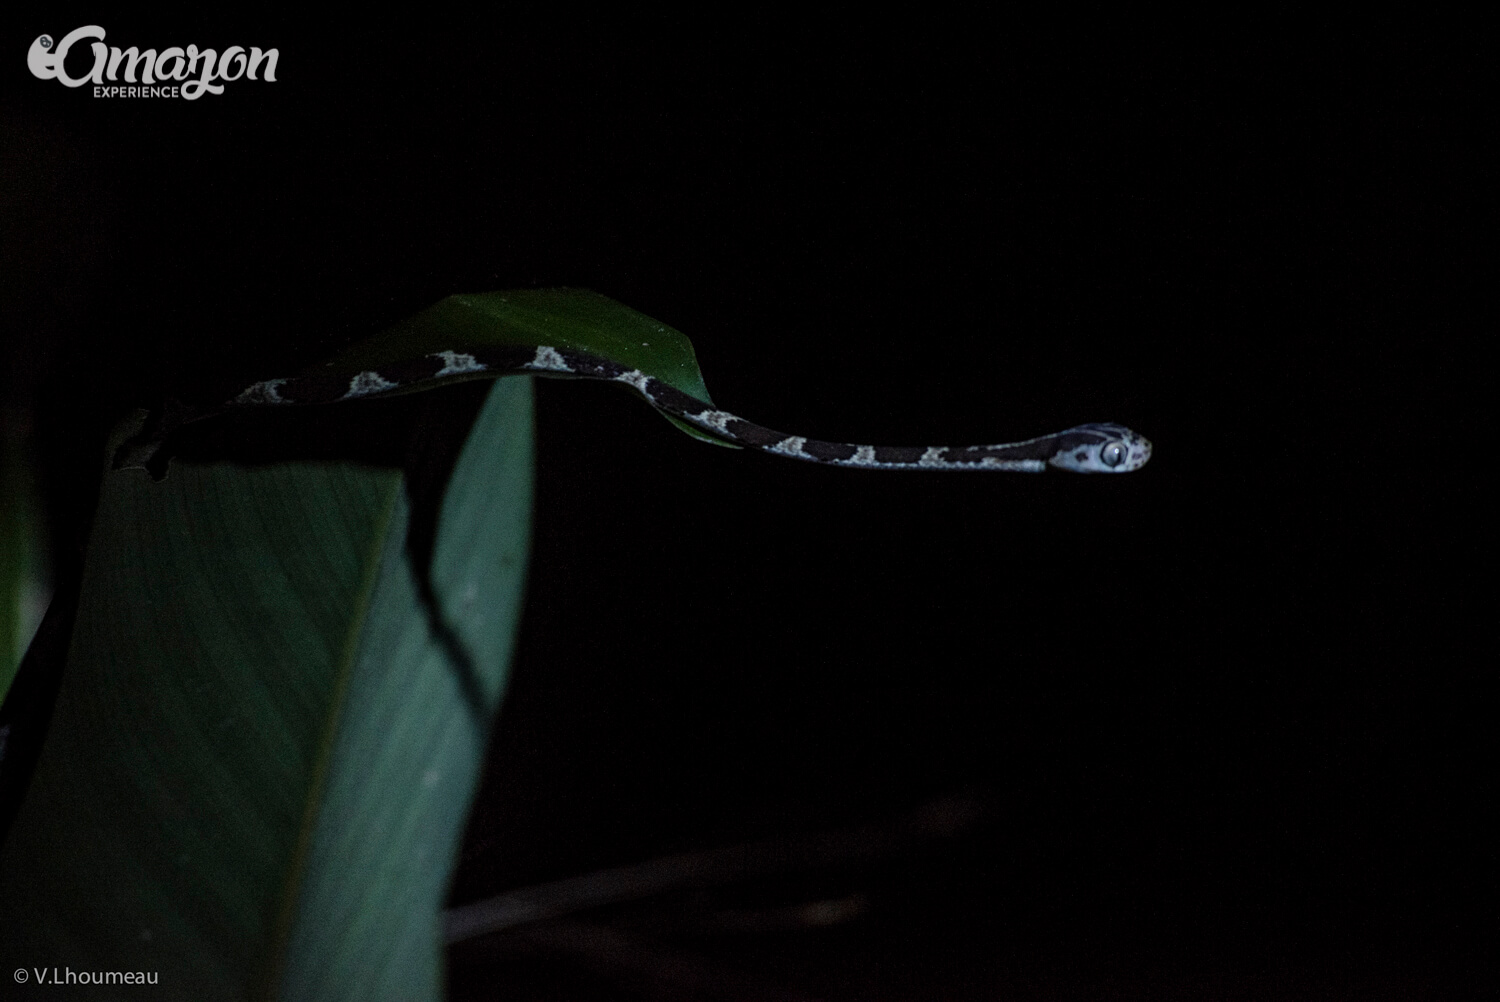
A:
(420, 434)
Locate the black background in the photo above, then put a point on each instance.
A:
(1220, 717)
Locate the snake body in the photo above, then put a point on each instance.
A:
(1088, 448)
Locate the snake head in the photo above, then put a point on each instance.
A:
(1100, 448)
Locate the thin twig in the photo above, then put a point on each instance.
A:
(729, 864)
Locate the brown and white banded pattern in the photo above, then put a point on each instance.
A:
(1089, 448)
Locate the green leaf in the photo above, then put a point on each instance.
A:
(23, 592)
(13, 561)
(270, 726)
(281, 675)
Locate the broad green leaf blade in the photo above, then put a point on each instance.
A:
(23, 591)
(561, 318)
(266, 741)
(406, 759)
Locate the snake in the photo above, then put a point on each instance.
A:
(1085, 448)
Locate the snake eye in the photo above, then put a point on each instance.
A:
(1113, 454)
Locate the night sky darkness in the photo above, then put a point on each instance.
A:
(1221, 718)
